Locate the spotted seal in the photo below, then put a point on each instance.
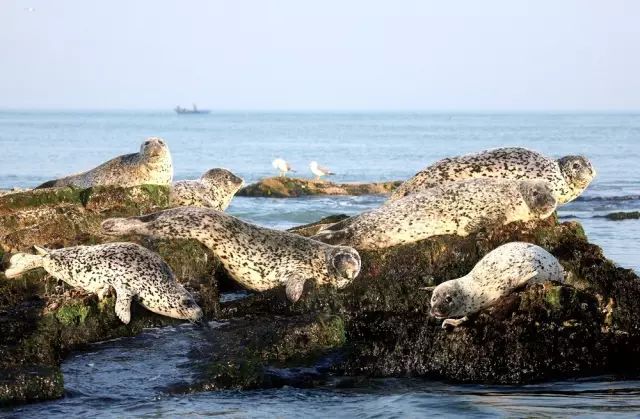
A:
(258, 258)
(568, 176)
(133, 271)
(214, 189)
(152, 165)
(498, 273)
(457, 208)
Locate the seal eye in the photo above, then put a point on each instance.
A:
(147, 142)
(535, 193)
(576, 165)
(448, 299)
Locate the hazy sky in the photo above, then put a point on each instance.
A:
(325, 54)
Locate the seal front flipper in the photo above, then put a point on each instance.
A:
(103, 292)
(294, 287)
(522, 281)
(484, 224)
(453, 322)
(123, 304)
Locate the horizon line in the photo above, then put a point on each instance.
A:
(336, 110)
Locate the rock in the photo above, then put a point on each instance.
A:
(41, 318)
(378, 326)
(588, 326)
(285, 187)
(261, 352)
(622, 215)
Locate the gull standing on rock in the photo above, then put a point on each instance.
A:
(282, 166)
(319, 170)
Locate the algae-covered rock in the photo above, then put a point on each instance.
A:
(378, 326)
(285, 187)
(587, 326)
(42, 319)
(63, 217)
(259, 351)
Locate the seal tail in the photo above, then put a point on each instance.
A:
(122, 226)
(20, 263)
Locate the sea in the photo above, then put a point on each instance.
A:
(131, 377)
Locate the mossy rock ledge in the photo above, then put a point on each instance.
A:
(587, 326)
(378, 326)
(286, 187)
(42, 319)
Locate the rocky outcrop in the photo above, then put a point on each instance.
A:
(622, 215)
(285, 187)
(587, 326)
(379, 326)
(43, 319)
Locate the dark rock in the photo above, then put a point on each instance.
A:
(379, 326)
(42, 319)
(619, 216)
(588, 326)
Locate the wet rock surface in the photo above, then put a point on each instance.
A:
(587, 326)
(42, 319)
(286, 187)
(379, 326)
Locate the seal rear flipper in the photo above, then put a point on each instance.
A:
(21, 263)
(331, 237)
(123, 304)
(121, 226)
(484, 224)
(294, 288)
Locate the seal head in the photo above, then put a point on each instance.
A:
(538, 196)
(577, 171)
(179, 305)
(346, 264)
(448, 300)
(154, 148)
(222, 178)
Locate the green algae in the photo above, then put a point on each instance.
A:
(73, 314)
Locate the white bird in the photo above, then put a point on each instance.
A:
(282, 166)
(319, 170)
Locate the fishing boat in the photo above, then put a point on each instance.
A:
(187, 111)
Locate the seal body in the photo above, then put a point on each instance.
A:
(458, 208)
(134, 272)
(568, 176)
(498, 273)
(256, 257)
(152, 165)
(214, 189)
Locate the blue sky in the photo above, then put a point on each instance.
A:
(321, 55)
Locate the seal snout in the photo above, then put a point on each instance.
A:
(347, 264)
(154, 147)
